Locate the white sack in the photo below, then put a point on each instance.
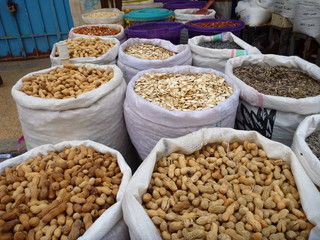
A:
(252, 14)
(273, 116)
(286, 8)
(307, 158)
(145, 229)
(131, 65)
(217, 58)
(107, 58)
(110, 224)
(307, 18)
(121, 36)
(95, 115)
(186, 15)
(147, 122)
(104, 20)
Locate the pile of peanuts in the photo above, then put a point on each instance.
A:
(87, 47)
(215, 24)
(67, 82)
(183, 92)
(102, 14)
(149, 51)
(97, 31)
(58, 195)
(225, 191)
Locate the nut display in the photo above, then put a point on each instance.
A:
(184, 92)
(278, 81)
(67, 82)
(215, 24)
(149, 51)
(220, 45)
(227, 190)
(102, 14)
(58, 195)
(97, 31)
(87, 47)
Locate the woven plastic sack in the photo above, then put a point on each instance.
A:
(131, 65)
(217, 58)
(121, 36)
(110, 224)
(108, 58)
(95, 115)
(147, 122)
(145, 229)
(307, 158)
(119, 19)
(307, 18)
(274, 117)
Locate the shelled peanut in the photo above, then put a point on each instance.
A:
(225, 191)
(97, 31)
(58, 195)
(149, 51)
(67, 82)
(87, 47)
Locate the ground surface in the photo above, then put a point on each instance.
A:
(10, 128)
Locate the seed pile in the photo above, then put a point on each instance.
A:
(184, 92)
(215, 24)
(220, 45)
(67, 82)
(278, 81)
(225, 191)
(102, 14)
(97, 31)
(313, 141)
(87, 47)
(149, 51)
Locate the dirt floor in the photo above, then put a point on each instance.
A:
(11, 72)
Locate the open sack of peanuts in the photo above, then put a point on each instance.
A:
(221, 183)
(67, 102)
(71, 190)
(88, 50)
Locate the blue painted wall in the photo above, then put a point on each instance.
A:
(33, 28)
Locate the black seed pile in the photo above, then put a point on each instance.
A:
(313, 141)
(220, 45)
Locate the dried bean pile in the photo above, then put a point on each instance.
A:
(97, 31)
(58, 195)
(87, 47)
(184, 92)
(149, 51)
(220, 45)
(215, 24)
(67, 82)
(313, 141)
(278, 81)
(225, 191)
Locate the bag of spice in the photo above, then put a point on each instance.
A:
(306, 146)
(276, 93)
(171, 102)
(214, 51)
(138, 54)
(45, 172)
(103, 31)
(183, 190)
